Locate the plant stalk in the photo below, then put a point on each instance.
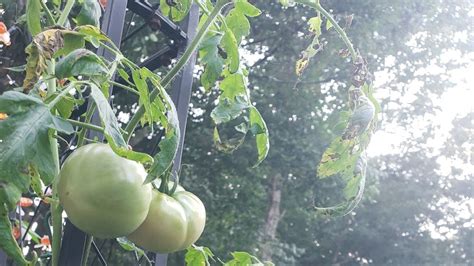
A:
(49, 15)
(336, 26)
(56, 209)
(86, 125)
(65, 13)
(179, 65)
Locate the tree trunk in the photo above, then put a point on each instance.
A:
(273, 218)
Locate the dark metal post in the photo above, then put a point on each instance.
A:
(181, 96)
(74, 240)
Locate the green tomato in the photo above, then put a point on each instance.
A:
(173, 222)
(102, 193)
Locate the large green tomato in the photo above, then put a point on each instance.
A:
(173, 222)
(102, 193)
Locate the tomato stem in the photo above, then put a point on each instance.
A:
(86, 125)
(65, 13)
(336, 26)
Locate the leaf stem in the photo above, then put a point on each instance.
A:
(86, 125)
(125, 87)
(65, 13)
(179, 65)
(340, 31)
(49, 15)
(90, 111)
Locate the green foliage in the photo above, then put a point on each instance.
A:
(177, 11)
(89, 14)
(80, 62)
(33, 16)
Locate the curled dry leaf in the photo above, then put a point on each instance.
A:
(4, 34)
(3, 116)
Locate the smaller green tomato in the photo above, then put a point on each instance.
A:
(102, 193)
(173, 222)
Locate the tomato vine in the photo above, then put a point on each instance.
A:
(58, 60)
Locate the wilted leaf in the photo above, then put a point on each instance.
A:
(229, 43)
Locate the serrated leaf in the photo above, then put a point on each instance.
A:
(198, 256)
(80, 62)
(33, 16)
(229, 43)
(228, 110)
(129, 246)
(328, 25)
(7, 242)
(209, 56)
(25, 143)
(315, 25)
(92, 34)
(243, 258)
(90, 13)
(177, 12)
(261, 136)
(247, 8)
(233, 85)
(107, 116)
(238, 23)
(144, 95)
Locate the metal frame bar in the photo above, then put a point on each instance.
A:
(161, 22)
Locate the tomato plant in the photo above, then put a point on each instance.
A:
(105, 200)
(104, 188)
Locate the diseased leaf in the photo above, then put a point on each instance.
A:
(144, 99)
(90, 13)
(80, 62)
(72, 41)
(228, 145)
(25, 143)
(33, 16)
(233, 85)
(42, 48)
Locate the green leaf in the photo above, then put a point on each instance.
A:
(315, 25)
(337, 158)
(109, 121)
(233, 85)
(90, 13)
(328, 25)
(228, 110)
(7, 241)
(238, 23)
(144, 100)
(33, 16)
(209, 56)
(25, 142)
(246, 8)
(72, 41)
(177, 12)
(80, 62)
(92, 34)
(229, 43)
(243, 258)
(129, 246)
(261, 136)
(198, 256)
